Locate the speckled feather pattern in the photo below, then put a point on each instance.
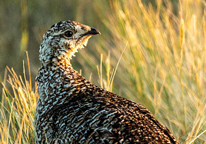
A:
(71, 109)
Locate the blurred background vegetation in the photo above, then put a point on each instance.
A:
(150, 51)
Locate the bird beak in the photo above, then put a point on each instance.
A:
(92, 32)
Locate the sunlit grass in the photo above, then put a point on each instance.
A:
(163, 66)
(147, 54)
(17, 109)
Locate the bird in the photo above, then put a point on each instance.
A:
(71, 109)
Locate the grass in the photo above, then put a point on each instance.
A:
(151, 54)
(17, 110)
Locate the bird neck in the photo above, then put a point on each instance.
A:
(56, 54)
(56, 82)
(60, 65)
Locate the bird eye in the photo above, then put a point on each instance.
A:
(68, 33)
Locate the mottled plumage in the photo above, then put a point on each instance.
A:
(73, 110)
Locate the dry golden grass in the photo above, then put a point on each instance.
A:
(148, 54)
(17, 110)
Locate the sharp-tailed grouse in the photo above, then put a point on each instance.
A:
(71, 109)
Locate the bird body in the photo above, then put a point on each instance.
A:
(71, 109)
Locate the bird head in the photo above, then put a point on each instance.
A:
(63, 39)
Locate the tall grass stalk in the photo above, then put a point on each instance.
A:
(17, 109)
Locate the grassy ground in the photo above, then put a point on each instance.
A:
(151, 53)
